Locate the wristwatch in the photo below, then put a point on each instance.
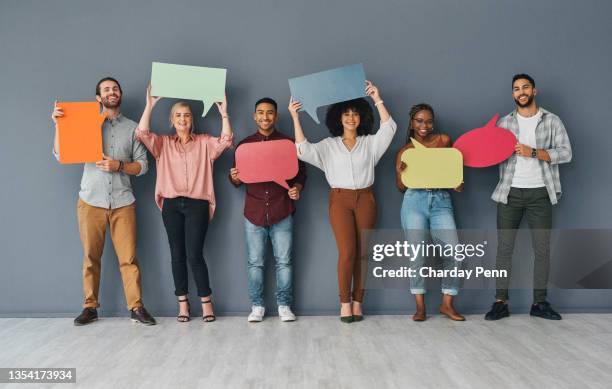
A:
(534, 153)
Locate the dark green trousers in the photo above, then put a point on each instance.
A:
(535, 203)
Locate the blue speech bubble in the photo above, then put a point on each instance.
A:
(328, 87)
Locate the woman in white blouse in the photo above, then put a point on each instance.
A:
(348, 159)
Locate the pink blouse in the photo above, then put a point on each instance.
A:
(185, 169)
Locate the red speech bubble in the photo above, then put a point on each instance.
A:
(486, 146)
(274, 160)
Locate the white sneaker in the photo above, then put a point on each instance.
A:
(285, 314)
(257, 314)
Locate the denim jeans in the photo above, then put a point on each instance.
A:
(281, 236)
(432, 210)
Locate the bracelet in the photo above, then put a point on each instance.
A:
(225, 117)
(379, 103)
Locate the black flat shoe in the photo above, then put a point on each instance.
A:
(140, 315)
(183, 318)
(499, 310)
(208, 318)
(89, 315)
(544, 311)
(347, 319)
(357, 317)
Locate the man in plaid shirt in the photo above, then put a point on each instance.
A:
(529, 184)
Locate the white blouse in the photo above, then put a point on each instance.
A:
(346, 169)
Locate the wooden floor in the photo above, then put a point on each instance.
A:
(319, 352)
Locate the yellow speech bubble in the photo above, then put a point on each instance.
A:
(430, 168)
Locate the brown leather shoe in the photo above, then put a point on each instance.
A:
(89, 315)
(140, 315)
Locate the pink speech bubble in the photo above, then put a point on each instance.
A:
(274, 160)
(486, 146)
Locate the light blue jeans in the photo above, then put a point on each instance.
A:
(281, 236)
(427, 213)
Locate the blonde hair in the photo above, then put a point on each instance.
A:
(181, 104)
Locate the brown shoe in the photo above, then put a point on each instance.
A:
(89, 315)
(140, 315)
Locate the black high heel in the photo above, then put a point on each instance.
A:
(208, 318)
(183, 318)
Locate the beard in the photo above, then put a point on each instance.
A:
(106, 103)
(527, 104)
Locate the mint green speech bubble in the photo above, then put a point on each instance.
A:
(188, 82)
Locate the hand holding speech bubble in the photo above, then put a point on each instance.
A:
(80, 132)
(486, 146)
(431, 168)
(188, 82)
(328, 87)
(274, 160)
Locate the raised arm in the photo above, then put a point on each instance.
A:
(372, 91)
(143, 133)
(384, 136)
(217, 145)
(306, 151)
(226, 127)
(294, 107)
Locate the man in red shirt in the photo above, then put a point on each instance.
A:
(268, 213)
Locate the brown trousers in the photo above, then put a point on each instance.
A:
(92, 228)
(351, 212)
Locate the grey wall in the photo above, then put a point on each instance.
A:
(457, 55)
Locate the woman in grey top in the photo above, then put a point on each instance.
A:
(348, 159)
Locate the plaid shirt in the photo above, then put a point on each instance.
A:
(550, 136)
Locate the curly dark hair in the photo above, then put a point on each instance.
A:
(333, 118)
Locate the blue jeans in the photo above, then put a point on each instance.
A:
(427, 213)
(281, 236)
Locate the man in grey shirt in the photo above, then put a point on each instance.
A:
(106, 199)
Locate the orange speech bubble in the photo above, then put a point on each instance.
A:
(274, 160)
(80, 132)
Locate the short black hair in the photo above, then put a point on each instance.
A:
(333, 118)
(523, 76)
(107, 79)
(266, 100)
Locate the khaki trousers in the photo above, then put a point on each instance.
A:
(351, 212)
(92, 228)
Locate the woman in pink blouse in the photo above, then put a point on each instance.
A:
(185, 194)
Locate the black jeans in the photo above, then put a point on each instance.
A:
(536, 204)
(186, 222)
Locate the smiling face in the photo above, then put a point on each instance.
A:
(109, 94)
(523, 92)
(265, 116)
(182, 118)
(350, 120)
(422, 122)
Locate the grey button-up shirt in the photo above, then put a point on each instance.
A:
(112, 190)
(550, 136)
